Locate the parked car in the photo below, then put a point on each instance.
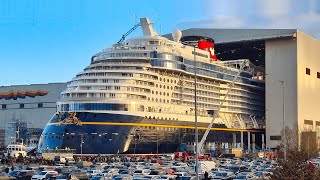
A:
(26, 174)
(142, 172)
(13, 173)
(224, 175)
(180, 165)
(42, 175)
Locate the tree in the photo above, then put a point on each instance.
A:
(296, 165)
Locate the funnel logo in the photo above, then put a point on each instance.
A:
(211, 50)
(208, 46)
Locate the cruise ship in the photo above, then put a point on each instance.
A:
(138, 96)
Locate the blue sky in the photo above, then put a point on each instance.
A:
(52, 40)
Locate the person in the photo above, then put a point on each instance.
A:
(12, 168)
(206, 175)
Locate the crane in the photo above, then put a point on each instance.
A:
(127, 33)
(201, 143)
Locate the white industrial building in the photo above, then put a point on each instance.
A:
(30, 105)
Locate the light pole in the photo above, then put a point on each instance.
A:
(195, 113)
(283, 123)
(81, 144)
(135, 143)
(157, 145)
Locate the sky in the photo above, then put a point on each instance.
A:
(52, 40)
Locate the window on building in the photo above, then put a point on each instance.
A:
(40, 105)
(309, 122)
(21, 106)
(276, 138)
(318, 75)
(4, 106)
(308, 71)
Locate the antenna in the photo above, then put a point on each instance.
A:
(135, 18)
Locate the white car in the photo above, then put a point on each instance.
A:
(142, 172)
(166, 177)
(93, 172)
(180, 174)
(224, 175)
(109, 172)
(42, 175)
(180, 165)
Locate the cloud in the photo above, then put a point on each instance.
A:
(273, 8)
(222, 22)
(273, 14)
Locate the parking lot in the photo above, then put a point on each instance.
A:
(144, 168)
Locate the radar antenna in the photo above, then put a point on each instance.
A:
(127, 33)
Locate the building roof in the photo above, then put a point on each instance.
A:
(238, 35)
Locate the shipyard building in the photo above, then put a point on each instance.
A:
(25, 109)
(292, 75)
